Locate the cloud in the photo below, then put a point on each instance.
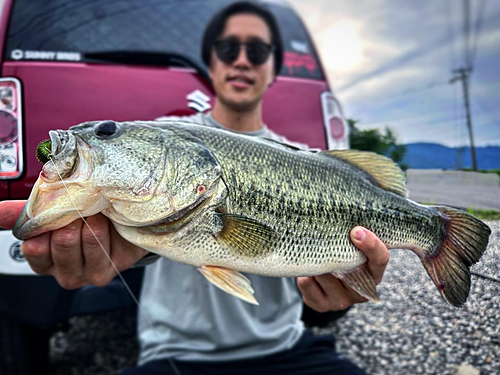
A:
(390, 64)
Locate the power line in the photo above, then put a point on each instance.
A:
(420, 114)
(457, 117)
(450, 34)
(415, 90)
(463, 74)
(416, 117)
(487, 113)
(466, 9)
(477, 30)
(423, 88)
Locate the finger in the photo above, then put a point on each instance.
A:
(96, 249)
(67, 255)
(36, 250)
(373, 248)
(338, 295)
(123, 253)
(312, 293)
(10, 211)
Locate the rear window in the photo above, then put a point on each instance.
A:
(63, 30)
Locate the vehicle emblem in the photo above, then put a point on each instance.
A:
(15, 252)
(198, 101)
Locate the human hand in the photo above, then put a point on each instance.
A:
(327, 293)
(72, 254)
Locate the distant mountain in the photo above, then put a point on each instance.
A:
(437, 156)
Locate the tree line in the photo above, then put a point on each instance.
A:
(382, 142)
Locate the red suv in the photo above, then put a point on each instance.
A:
(67, 61)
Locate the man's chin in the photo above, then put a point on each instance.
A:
(242, 105)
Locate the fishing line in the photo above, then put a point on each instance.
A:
(97, 239)
(127, 287)
(488, 277)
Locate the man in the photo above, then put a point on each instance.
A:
(186, 325)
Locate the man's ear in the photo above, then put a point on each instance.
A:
(272, 80)
(273, 75)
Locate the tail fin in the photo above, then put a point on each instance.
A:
(449, 268)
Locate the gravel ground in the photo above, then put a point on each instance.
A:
(411, 332)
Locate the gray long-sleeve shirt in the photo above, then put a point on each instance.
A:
(185, 317)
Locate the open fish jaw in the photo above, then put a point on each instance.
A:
(131, 177)
(54, 209)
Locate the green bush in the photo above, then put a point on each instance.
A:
(484, 214)
(384, 143)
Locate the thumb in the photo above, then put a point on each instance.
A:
(9, 212)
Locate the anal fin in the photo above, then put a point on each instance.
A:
(230, 281)
(360, 281)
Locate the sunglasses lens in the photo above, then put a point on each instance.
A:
(227, 50)
(258, 52)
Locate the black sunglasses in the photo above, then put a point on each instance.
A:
(227, 50)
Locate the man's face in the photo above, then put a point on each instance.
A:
(241, 85)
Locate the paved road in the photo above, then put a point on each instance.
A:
(464, 196)
(412, 330)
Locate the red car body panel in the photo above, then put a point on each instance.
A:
(56, 94)
(4, 190)
(59, 95)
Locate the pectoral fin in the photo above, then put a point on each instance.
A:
(230, 281)
(361, 282)
(244, 235)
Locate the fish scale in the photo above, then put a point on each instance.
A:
(225, 202)
(317, 239)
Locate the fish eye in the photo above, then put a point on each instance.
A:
(106, 129)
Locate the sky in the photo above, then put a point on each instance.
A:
(390, 63)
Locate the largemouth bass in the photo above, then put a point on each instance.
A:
(225, 202)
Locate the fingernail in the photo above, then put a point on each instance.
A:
(359, 234)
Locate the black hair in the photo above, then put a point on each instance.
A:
(217, 23)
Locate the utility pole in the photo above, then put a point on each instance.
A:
(462, 74)
(460, 152)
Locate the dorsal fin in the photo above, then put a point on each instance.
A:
(382, 169)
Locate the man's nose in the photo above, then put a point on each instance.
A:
(242, 59)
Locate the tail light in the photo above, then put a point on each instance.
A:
(337, 133)
(11, 142)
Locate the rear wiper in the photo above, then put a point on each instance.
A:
(146, 58)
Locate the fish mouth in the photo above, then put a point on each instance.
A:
(49, 209)
(64, 156)
(59, 140)
(70, 159)
(60, 193)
